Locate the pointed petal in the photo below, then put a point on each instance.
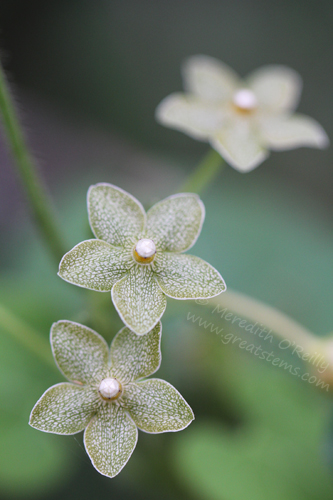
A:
(135, 356)
(115, 216)
(156, 406)
(95, 265)
(175, 223)
(209, 78)
(277, 88)
(64, 409)
(196, 117)
(80, 353)
(188, 277)
(293, 132)
(110, 439)
(139, 300)
(239, 145)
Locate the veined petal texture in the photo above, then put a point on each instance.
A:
(115, 216)
(110, 439)
(135, 356)
(64, 409)
(139, 300)
(80, 353)
(175, 223)
(95, 264)
(156, 406)
(188, 277)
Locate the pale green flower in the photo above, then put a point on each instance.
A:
(138, 256)
(241, 120)
(106, 395)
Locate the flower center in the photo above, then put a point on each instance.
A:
(109, 389)
(144, 251)
(245, 100)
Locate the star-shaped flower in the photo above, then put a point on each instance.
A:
(106, 395)
(138, 256)
(241, 120)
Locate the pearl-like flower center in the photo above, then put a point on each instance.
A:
(245, 100)
(145, 251)
(109, 389)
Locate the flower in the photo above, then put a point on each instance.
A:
(138, 256)
(106, 396)
(240, 119)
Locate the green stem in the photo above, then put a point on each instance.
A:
(33, 341)
(273, 319)
(25, 164)
(204, 173)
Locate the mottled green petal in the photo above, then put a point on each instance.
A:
(156, 406)
(188, 277)
(240, 145)
(64, 409)
(277, 88)
(175, 223)
(110, 439)
(135, 356)
(209, 78)
(80, 353)
(293, 132)
(115, 216)
(139, 300)
(95, 264)
(187, 113)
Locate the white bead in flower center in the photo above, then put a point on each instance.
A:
(109, 389)
(245, 100)
(145, 250)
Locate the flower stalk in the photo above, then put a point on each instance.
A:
(38, 199)
(29, 338)
(206, 171)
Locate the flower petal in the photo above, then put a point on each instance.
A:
(64, 409)
(139, 300)
(135, 356)
(80, 353)
(239, 145)
(156, 406)
(188, 277)
(110, 439)
(277, 88)
(209, 78)
(94, 264)
(293, 132)
(115, 216)
(175, 223)
(197, 118)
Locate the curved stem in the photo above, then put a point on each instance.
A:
(33, 341)
(26, 168)
(204, 173)
(280, 324)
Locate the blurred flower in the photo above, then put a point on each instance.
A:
(106, 396)
(240, 119)
(138, 256)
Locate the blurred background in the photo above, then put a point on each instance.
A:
(87, 77)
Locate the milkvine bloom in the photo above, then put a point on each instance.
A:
(137, 256)
(241, 119)
(106, 395)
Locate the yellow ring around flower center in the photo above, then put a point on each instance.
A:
(144, 251)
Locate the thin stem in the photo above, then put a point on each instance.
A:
(273, 319)
(37, 197)
(33, 341)
(204, 173)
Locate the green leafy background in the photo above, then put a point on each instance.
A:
(92, 73)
